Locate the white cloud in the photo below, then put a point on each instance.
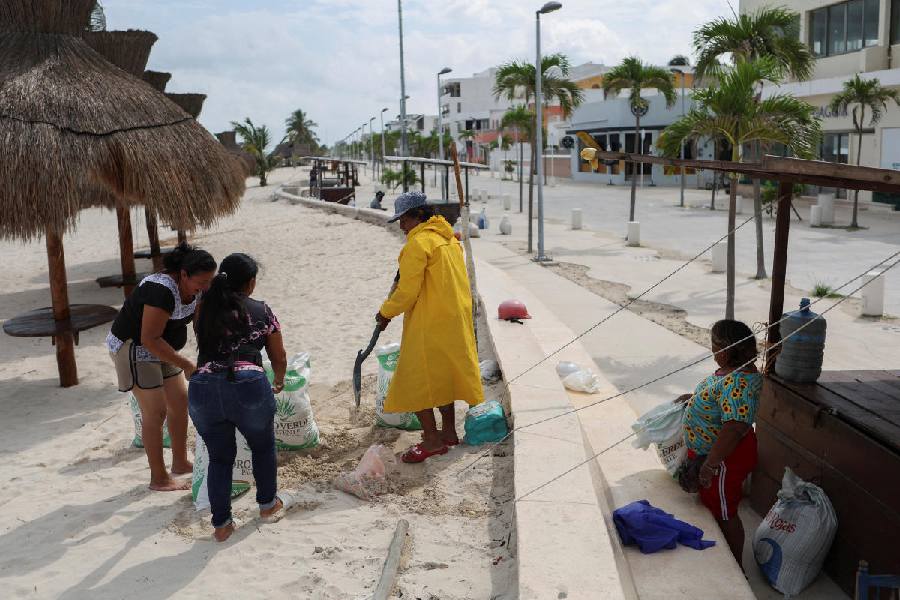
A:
(339, 59)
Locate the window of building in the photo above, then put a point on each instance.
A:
(459, 104)
(895, 21)
(453, 89)
(845, 27)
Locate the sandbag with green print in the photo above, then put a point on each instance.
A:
(295, 426)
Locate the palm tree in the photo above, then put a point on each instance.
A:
(863, 94)
(255, 140)
(521, 120)
(770, 32)
(731, 112)
(516, 80)
(634, 76)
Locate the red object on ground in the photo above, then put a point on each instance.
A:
(417, 453)
(511, 310)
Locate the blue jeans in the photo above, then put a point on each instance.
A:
(218, 406)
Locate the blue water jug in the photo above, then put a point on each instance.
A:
(800, 359)
(485, 424)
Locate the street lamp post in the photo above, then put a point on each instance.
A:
(443, 71)
(539, 125)
(403, 146)
(681, 171)
(383, 110)
(371, 149)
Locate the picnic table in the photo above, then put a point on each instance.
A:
(40, 322)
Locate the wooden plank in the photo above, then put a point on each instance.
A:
(868, 398)
(798, 166)
(779, 272)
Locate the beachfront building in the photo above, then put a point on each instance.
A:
(424, 124)
(610, 122)
(859, 36)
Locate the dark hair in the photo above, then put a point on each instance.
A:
(223, 313)
(190, 259)
(727, 333)
(422, 213)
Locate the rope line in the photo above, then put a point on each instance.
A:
(796, 331)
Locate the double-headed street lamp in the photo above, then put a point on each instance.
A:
(681, 71)
(443, 71)
(539, 125)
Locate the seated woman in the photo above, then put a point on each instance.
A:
(438, 356)
(230, 391)
(718, 427)
(144, 343)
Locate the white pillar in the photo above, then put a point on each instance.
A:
(826, 201)
(634, 233)
(873, 294)
(719, 255)
(507, 202)
(505, 226)
(576, 218)
(815, 215)
(739, 205)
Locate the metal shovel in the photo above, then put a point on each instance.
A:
(357, 367)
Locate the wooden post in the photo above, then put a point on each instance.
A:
(422, 176)
(182, 236)
(153, 234)
(779, 270)
(126, 248)
(65, 341)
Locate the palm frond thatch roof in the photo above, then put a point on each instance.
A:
(70, 120)
(158, 79)
(128, 50)
(229, 141)
(192, 104)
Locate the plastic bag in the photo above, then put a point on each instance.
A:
(576, 379)
(371, 475)
(388, 357)
(490, 371)
(295, 426)
(137, 417)
(662, 426)
(485, 424)
(791, 543)
(241, 472)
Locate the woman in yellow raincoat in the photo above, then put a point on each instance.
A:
(438, 356)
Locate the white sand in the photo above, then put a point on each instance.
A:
(77, 520)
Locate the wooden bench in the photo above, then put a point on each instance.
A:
(40, 322)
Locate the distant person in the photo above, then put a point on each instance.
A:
(438, 356)
(144, 343)
(313, 177)
(376, 201)
(230, 390)
(718, 428)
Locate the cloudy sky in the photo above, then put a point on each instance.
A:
(339, 59)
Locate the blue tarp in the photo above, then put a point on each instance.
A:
(651, 529)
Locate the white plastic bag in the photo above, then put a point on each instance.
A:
(371, 475)
(577, 379)
(241, 472)
(137, 417)
(295, 425)
(490, 371)
(388, 357)
(791, 542)
(662, 425)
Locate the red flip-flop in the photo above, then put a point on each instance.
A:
(417, 453)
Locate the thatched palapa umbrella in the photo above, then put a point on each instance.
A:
(229, 140)
(192, 104)
(70, 120)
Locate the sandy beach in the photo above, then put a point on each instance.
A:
(78, 520)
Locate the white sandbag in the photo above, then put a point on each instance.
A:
(490, 371)
(564, 368)
(241, 473)
(662, 425)
(388, 357)
(295, 425)
(578, 379)
(137, 417)
(791, 543)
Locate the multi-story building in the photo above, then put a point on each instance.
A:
(850, 37)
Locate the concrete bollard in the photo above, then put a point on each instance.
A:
(815, 215)
(634, 233)
(505, 226)
(739, 205)
(507, 202)
(576, 218)
(719, 255)
(873, 294)
(826, 201)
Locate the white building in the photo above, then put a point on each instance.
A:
(859, 36)
(424, 124)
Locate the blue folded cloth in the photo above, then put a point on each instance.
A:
(651, 529)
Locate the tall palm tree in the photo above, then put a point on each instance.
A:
(521, 121)
(634, 77)
(255, 140)
(299, 129)
(769, 32)
(731, 112)
(863, 94)
(515, 80)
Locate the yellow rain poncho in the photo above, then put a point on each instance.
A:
(438, 356)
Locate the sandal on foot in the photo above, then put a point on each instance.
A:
(417, 453)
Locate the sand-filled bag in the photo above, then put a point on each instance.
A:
(388, 357)
(241, 472)
(137, 417)
(295, 425)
